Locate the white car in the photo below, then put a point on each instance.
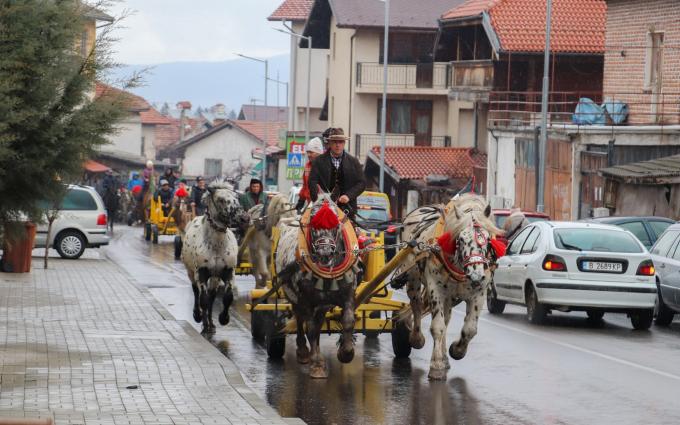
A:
(578, 266)
(81, 224)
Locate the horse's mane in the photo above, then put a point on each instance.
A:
(472, 208)
(221, 184)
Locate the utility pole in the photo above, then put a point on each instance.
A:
(383, 112)
(540, 199)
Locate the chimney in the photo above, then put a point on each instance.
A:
(183, 106)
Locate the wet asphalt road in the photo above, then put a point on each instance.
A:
(564, 372)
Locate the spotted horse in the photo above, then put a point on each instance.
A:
(462, 252)
(316, 262)
(209, 252)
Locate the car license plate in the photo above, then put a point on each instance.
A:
(601, 266)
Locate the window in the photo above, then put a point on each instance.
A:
(518, 241)
(596, 240)
(638, 229)
(664, 243)
(658, 227)
(213, 167)
(653, 60)
(531, 243)
(78, 200)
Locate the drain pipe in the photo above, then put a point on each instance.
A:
(495, 168)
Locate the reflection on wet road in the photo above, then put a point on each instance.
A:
(563, 372)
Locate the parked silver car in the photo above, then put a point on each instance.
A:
(666, 257)
(81, 224)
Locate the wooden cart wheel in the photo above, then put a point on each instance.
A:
(274, 338)
(178, 246)
(400, 344)
(154, 234)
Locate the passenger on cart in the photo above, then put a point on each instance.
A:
(254, 195)
(197, 207)
(313, 149)
(166, 195)
(338, 173)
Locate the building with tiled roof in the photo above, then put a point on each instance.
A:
(262, 113)
(434, 172)
(231, 147)
(292, 10)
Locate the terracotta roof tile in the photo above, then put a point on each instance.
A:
(292, 10)
(152, 116)
(135, 103)
(578, 26)
(416, 162)
(257, 129)
(257, 113)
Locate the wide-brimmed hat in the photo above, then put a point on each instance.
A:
(338, 136)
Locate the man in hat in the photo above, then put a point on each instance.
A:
(338, 173)
(313, 149)
(254, 195)
(197, 207)
(165, 193)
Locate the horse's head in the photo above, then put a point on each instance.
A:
(222, 204)
(470, 223)
(326, 233)
(279, 208)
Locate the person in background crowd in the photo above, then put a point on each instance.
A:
(313, 149)
(166, 194)
(169, 175)
(134, 181)
(254, 195)
(338, 173)
(147, 174)
(197, 207)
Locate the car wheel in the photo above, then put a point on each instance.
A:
(493, 304)
(664, 315)
(70, 244)
(595, 315)
(536, 311)
(642, 320)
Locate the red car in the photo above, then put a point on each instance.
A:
(502, 214)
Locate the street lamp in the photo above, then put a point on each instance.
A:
(266, 120)
(383, 112)
(309, 73)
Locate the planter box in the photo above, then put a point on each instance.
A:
(16, 254)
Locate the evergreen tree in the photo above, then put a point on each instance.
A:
(165, 109)
(50, 122)
(232, 114)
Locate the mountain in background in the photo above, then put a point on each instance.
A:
(233, 82)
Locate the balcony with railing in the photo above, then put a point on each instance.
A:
(523, 109)
(365, 142)
(471, 80)
(410, 78)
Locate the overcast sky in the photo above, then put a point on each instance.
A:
(163, 31)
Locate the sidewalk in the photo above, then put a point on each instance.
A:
(83, 344)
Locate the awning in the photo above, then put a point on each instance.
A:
(95, 167)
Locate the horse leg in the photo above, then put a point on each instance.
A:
(473, 307)
(227, 277)
(303, 354)
(197, 307)
(346, 348)
(204, 297)
(438, 331)
(318, 367)
(212, 294)
(416, 337)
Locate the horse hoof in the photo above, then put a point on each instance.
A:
(303, 355)
(224, 318)
(417, 340)
(437, 374)
(318, 372)
(455, 353)
(345, 356)
(198, 317)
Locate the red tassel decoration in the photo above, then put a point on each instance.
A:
(498, 247)
(136, 189)
(325, 218)
(182, 192)
(447, 243)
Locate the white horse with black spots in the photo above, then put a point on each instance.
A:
(259, 244)
(458, 269)
(209, 252)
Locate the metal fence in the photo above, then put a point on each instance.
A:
(406, 76)
(523, 109)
